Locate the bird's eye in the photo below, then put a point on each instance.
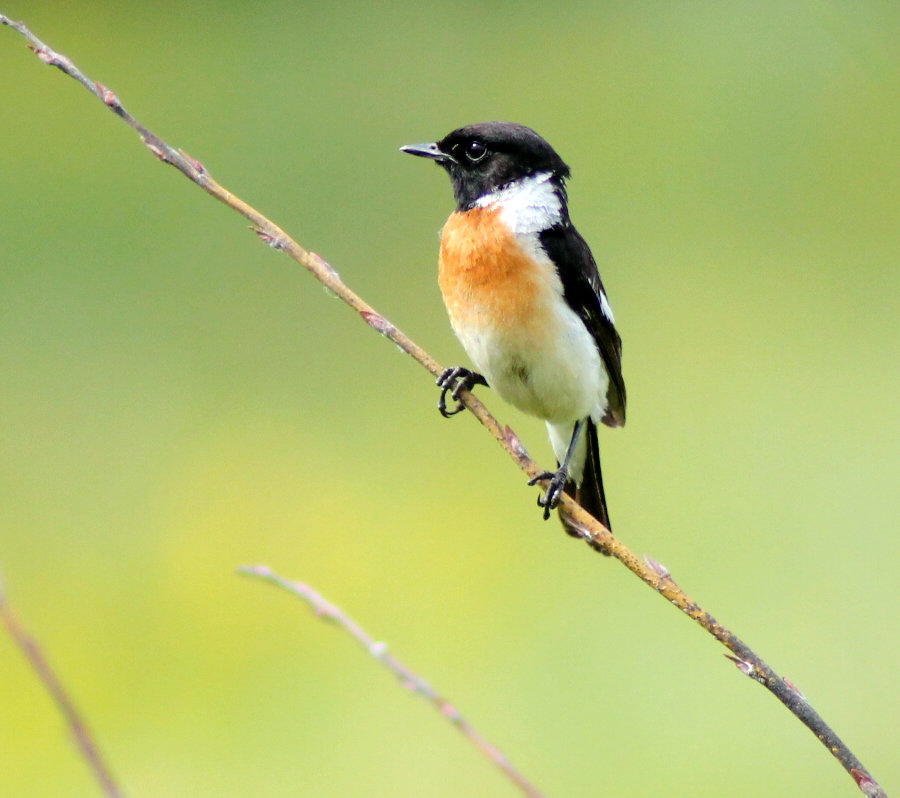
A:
(475, 151)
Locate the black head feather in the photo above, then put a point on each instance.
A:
(484, 157)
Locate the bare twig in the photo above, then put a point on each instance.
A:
(592, 531)
(329, 612)
(54, 687)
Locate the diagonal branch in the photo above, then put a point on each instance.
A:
(329, 612)
(593, 532)
(83, 739)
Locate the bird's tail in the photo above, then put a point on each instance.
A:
(589, 493)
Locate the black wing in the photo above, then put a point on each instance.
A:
(583, 290)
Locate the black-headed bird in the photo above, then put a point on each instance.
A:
(526, 301)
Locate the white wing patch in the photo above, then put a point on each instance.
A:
(605, 308)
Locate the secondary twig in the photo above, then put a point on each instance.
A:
(64, 704)
(329, 612)
(593, 532)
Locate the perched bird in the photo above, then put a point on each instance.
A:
(525, 299)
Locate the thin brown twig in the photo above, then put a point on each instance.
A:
(594, 533)
(80, 732)
(329, 612)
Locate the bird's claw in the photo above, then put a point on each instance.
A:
(454, 381)
(550, 498)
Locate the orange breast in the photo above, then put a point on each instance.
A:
(485, 275)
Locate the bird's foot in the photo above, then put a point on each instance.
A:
(550, 499)
(454, 381)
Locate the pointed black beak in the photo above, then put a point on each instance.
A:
(427, 150)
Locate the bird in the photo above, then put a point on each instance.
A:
(525, 299)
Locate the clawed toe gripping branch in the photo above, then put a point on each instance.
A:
(454, 381)
(648, 570)
(549, 500)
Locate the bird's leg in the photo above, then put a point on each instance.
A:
(454, 381)
(558, 480)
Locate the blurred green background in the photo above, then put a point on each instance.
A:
(178, 400)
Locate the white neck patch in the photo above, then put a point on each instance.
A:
(527, 206)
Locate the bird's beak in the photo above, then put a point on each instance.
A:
(428, 150)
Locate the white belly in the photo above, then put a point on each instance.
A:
(551, 369)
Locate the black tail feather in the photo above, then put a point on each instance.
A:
(589, 494)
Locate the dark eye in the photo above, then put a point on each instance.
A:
(475, 151)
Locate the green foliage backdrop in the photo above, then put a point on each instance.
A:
(177, 400)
